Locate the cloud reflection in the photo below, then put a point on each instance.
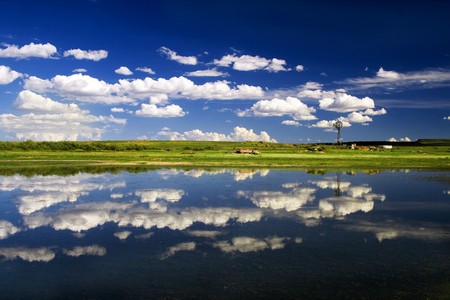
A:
(290, 201)
(85, 216)
(246, 244)
(308, 202)
(188, 246)
(42, 254)
(7, 229)
(392, 229)
(94, 250)
(239, 175)
(46, 191)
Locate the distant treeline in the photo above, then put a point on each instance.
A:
(419, 142)
(94, 146)
(71, 146)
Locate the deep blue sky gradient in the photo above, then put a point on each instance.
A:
(334, 41)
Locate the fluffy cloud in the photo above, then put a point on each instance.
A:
(38, 85)
(338, 100)
(181, 87)
(123, 71)
(89, 89)
(356, 117)
(278, 107)
(251, 63)
(393, 80)
(388, 74)
(94, 55)
(79, 70)
(153, 111)
(206, 73)
(27, 100)
(172, 55)
(146, 70)
(290, 123)
(372, 112)
(28, 51)
(239, 134)
(299, 68)
(7, 75)
(79, 87)
(329, 124)
(52, 121)
(342, 102)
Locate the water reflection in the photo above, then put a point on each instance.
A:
(172, 213)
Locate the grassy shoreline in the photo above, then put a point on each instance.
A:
(190, 154)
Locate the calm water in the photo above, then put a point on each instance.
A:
(225, 234)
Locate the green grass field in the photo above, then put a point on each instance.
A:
(140, 154)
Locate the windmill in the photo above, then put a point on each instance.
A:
(338, 125)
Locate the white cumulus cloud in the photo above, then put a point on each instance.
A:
(206, 73)
(85, 88)
(329, 124)
(290, 123)
(28, 51)
(238, 134)
(27, 100)
(181, 87)
(94, 55)
(79, 70)
(169, 111)
(146, 70)
(280, 107)
(172, 55)
(372, 112)
(123, 71)
(388, 74)
(356, 117)
(50, 120)
(299, 68)
(7, 75)
(251, 63)
(343, 102)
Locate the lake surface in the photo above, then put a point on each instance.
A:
(221, 234)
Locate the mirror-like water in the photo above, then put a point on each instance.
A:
(225, 234)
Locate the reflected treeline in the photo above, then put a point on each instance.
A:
(64, 168)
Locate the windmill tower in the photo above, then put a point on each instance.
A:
(338, 125)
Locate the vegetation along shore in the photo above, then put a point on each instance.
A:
(431, 154)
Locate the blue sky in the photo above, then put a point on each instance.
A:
(224, 70)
